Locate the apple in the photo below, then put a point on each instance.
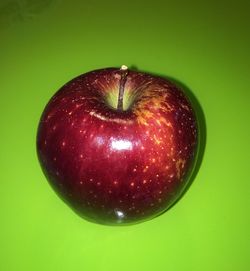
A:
(117, 145)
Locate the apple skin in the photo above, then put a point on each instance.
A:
(118, 166)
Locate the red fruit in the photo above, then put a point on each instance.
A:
(117, 145)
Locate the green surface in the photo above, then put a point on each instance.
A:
(205, 45)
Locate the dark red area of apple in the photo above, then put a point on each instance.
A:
(118, 166)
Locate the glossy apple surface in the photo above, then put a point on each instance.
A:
(116, 166)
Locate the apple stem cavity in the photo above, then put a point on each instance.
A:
(123, 73)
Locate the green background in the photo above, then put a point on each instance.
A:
(205, 45)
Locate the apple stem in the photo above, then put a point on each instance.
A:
(124, 73)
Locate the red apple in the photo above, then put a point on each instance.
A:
(117, 145)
